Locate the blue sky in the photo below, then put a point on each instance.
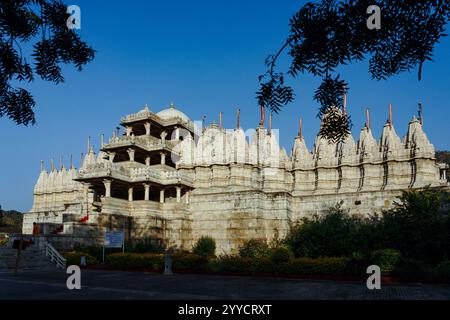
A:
(206, 57)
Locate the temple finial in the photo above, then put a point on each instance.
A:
(220, 120)
(52, 164)
(203, 123)
(300, 128)
(344, 106)
(89, 144)
(368, 118)
(42, 165)
(390, 115)
(420, 113)
(102, 140)
(270, 123)
(238, 118)
(172, 106)
(81, 159)
(71, 162)
(263, 116)
(61, 162)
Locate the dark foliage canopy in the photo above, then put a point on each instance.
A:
(41, 24)
(331, 33)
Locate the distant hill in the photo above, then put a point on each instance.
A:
(11, 221)
(444, 157)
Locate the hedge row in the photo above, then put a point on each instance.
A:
(74, 258)
(149, 261)
(193, 262)
(407, 270)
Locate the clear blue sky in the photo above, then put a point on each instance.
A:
(206, 57)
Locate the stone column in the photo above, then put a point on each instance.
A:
(178, 194)
(147, 191)
(107, 184)
(128, 131)
(163, 136)
(111, 156)
(177, 134)
(161, 196)
(148, 126)
(130, 194)
(131, 154)
(187, 194)
(163, 157)
(147, 161)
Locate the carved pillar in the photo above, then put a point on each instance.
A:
(107, 184)
(177, 134)
(147, 192)
(161, 196)
(148, 126)
(178, 194)
(147, 161)
(111, 156)
(130, 194)
(131, 154)
(163, 158)
(188, 193)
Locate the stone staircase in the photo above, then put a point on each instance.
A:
(34, 258)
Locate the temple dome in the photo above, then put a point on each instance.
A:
(172, 113)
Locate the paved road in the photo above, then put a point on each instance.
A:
(151, 286)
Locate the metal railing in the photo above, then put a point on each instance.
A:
(55, 256)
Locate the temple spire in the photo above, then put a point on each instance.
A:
(71, 162)
(52, 164)
(300, 128)
(238, 118)
(81, 160)
(390, 115)
(368, 118)
(420, 114)
(42, 165)
(263, 116)
(220, 120)
(102, 140)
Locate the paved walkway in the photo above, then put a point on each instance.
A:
(130, 285)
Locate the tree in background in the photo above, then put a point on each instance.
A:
(330, 33)
(41, 24)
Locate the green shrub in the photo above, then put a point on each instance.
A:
(230, 263)
(357, 266)
(149, 261)
(74, 258)
(281, 254)
(309, 266)
(386, 259)
(145, 246)
(412, 270)
(254, 249)
(442, 271)
(189, 261)
(205, 246)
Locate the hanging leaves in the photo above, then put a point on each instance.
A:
(21, 22)
(331, 33)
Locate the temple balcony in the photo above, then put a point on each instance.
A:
(157, 174)
(146, 143)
